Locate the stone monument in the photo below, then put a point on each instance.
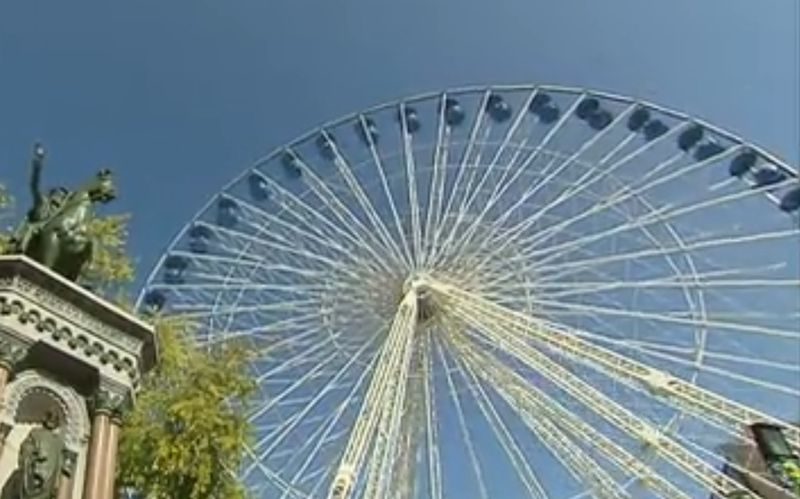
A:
(70, 361)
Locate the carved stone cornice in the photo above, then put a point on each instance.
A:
(27, 280)
(68, 337)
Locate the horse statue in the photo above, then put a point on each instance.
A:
(55, 230)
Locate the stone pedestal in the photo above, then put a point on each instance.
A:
(65, 350)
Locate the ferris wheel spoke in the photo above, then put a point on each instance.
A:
(469, 197)
(534, 401)
(277, 436)
(547, 174)
(411, 185)
(436, 192)
(678, 356)
(580, 186)
(377, 405)
(589, 177)
(697, 322)
(464, 164)
(503, 435)
(637, 428)
(327, 428)
(346, 172)
(579, 464)
(660, 215)
(344, 216)
(321, 240)
(703, 403)
(764, 385)
(260, 219)
(208, 311)
(312, 373)
(693, 246)
(462, 424)
(283, 326)
(286, 247)
(376, 157)
(573, 288)
(299, 357)
(549, 430)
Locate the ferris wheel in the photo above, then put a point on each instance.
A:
(504, 292)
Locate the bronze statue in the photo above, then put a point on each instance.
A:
(54, 232)
(41, 462)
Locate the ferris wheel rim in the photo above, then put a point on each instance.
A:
(555, 88)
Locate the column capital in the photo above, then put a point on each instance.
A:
(111, 401)
(12, 351)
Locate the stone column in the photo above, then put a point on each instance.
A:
(111, 457)
(101, 465)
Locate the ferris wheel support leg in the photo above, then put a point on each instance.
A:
(495, 325)
(380, 407)
(705, 404)
(533, 401)
(582, 466)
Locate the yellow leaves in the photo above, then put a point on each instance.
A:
(110, 266)
(186, 431)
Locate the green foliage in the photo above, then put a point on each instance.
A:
(188, 427)
(6, 202)
(111, 267)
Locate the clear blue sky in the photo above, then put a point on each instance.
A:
(180, 96)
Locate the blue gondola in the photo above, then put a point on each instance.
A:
(413, 123)
(499, 110)
(155, 300)
(708, 150)
(367, 130)
(654, 129)
(791, 200)
(742, 163)
(549, 114)
(326, 145)
(199, 236)
(227, 212)
(259, 190)
(539, 102)
(768, 176)
(600, 119)
(690, 137)
(174, 267)
(587, 107)
(453, 113)
(291, 165)
(638, 119)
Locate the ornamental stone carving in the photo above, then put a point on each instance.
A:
(107, 354)
(70, 403)
(112, 401)
(12, 351)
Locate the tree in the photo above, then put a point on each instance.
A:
(188, 428)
